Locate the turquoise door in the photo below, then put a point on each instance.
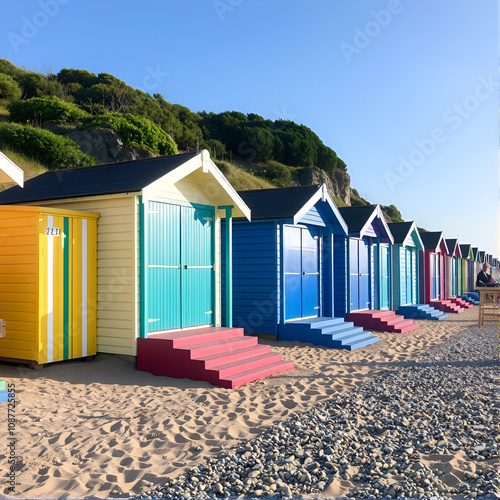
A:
(301, 261)
(197, 270)
(384, 277)
(163, 257)
(180, 274)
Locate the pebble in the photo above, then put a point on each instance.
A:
(444, 400)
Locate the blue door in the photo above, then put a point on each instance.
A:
(301, 266)
(310, 273)
(359, 262)
(180, 255)
(384, 277)
(354, 273)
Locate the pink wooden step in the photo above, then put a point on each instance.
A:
(384, 321)
(221, 356)
(259, 373)
(213, 360)
(182, 338)
(446, 306)
(460, 302)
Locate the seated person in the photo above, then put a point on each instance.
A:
(485, 279)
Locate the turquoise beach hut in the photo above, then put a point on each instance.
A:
(405, 270)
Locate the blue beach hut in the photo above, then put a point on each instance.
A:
(285, 278)
(368, 253)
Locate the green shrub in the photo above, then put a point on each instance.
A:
(137, 132)
(8, 68)
(53, 151)
(40, 109)
(32, 84)
(9, 89)
(278, 173)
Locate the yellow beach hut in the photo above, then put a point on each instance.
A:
(144, 208)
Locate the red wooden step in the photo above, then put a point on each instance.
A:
(460, 302)
(252, 375)
(218, 346)
(229, 369)
(384, 321)
(214, 360)
(446, 306)
(221, 356)
(181, 338)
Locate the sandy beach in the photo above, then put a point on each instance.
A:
(103, 429)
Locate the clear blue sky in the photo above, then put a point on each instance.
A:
(405, 91)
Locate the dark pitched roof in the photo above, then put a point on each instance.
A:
(356, 217)
(430, 239)
(277, 203)
(112, 178)
(465, 249)
(451, 243)
(400, 230)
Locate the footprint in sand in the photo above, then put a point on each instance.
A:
(179, 438)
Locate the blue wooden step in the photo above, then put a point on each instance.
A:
(329, 332)
(421, 311)
(470, 299)
(314, 322)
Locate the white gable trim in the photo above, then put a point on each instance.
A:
(201, 160)
(323, 195)
(377, 213)
(414, 231)
(10, 172)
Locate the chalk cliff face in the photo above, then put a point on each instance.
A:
(105, 145)
(338, 184)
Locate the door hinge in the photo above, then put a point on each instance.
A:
(152, 320)
(209, 312)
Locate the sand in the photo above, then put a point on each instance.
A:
(103, 429)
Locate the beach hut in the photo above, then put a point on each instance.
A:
(475, 266)
(481, 258)
(405, 271)
(367, 253)
(432, 275)
(158, 259)
(468, 275)
(47, 284)
(467, 259)
(453, 273)
(285, 279)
